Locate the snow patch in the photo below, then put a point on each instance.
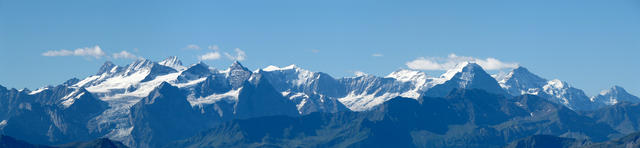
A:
(363, 101)
(230, 95)
(38, 90)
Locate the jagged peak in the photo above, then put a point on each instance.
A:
(173, 62)
(71, 81)
(106, 67)
(200, 68)
(556, 83)
(521, 69)
(463, 67)
(618, 87)
(199, 64)
(524, 73)
(140, 63)
(470, 66)
(452, 72)
(171, 59)
(236, 65)
(615, 89)
(165, 85)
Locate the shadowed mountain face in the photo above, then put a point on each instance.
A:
(97, 143)
(261, 99)
(164, 116)
(624, 117)
(548, 141)
(55, 115)
(469, 118)
(10, 142)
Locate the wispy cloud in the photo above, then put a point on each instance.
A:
(95, 52)
(240, 55)
(192, 47)
(210, 56)
(315, 50)
(377, 55)
(124, 55)
(445, 63)
(213, 47)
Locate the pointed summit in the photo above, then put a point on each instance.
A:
(195, 71)
(106, 67)
(521, 81)
(173, 62)
(472, 66)
(615, 95)
(71, 82)
(165, 85)
(138, 65)
(451, 72)
(236, 65)
(467, 76)
(237, 74)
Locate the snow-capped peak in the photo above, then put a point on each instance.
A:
(237, 74)
(452, 72)
(237, 65)
(276, 68)
(173, 62)
(613, 90)
(555, 83)
(196, 71)
(615, 95)
(106, 67)
(405, 75)
(139, 65)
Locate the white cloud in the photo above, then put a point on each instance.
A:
(124, 55)
(210, 56)
(449, 62)
(240, 55)
(192, 47)
(377, 55)
(94, 51)
(213, 47)
(315, 50)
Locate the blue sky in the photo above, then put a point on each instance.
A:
(590, 44)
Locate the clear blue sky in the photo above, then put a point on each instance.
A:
(590, 44)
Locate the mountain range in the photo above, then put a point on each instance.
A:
(156, 104)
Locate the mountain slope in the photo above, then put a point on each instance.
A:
(259, 98)
(469, 118)
(623, 116)
(162, 116)
(547, 141)
(50, 115)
